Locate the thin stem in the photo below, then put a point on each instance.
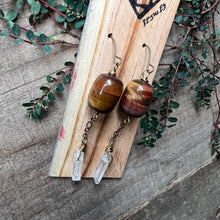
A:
(171, 88)
(53, 85)
(51, 7)
(61, 27)
(46, 43)
(210, 8)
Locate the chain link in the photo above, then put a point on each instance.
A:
(116, 133)
(88, 127)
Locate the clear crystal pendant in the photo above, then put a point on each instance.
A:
(78, 164)
(102, 167)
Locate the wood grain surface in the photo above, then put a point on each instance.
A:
(95, 57)
(26, 146)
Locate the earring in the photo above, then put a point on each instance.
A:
(103, 97)
(135, 102)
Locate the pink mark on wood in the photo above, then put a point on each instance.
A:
(62, 133)
(74, 78)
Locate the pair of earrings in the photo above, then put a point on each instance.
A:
(103, 97)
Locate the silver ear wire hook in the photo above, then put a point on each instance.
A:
(115, 58)
(149, 68)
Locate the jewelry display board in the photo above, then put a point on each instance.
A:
(132, 23)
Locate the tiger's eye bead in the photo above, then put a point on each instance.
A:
(136, 98)
(105, 93)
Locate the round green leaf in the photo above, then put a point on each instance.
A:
(43, 38)
(44, 88)
(4, 33)
(60, 19)
(35, 116)
(62, 8)
(79, 6)
(50, 79)
(35, 7)
(69, 63)
(79, 24)
(181, 75)
(19, 4)
(11, 15)
(16, 30)
(51, 97)
(178, 19)
(60, 87)
(67, 78)
(30, 35)
(19, 41)
(52, 2)
(175, 105)
(30, 2)
(47, 48)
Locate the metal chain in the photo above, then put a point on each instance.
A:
(86, 131)
(116, 133)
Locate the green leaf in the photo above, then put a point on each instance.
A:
(52, 2)
(179, 18)
(16, 30)
(38, 111)
(19, 4)
(19, 41)
(1, 14)
(35, 116)
(47, 48)
(11, 15)
(85, 9)
(35, 7)
(62, 8)
(60, 87)
(43, 38)
(60, 19)
(153, 112)
(43, 10)
(52, 38)
(30, 2)
(65, 25)
(51, 97)
(67, 78)
(79, 24)
(59, 73)
(70, 19)
(44, 103)
(4, 33)
(71, 3)
(172, 119)
(175, 105)
(51, 79)
(30, 35)
(44, 88)
(28, 104)
(181, 75)
(79, 6)
(69, 63)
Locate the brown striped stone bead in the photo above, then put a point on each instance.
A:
(105, 93)
(136, 98)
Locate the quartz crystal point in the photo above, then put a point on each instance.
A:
(102, 167)
(78, 164)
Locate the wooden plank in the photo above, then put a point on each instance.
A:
(95, 56)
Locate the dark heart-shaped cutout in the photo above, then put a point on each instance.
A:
(142, 9)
